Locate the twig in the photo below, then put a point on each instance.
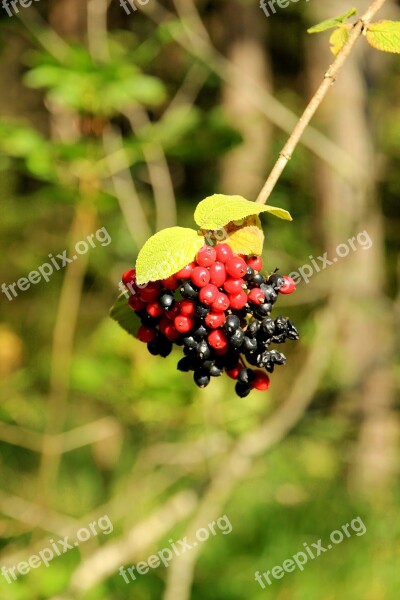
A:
(158, 169)
(124, 186)
(106, 560)
(329, 78)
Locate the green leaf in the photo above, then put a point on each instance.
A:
(385, 36)
(247, 239)
(218, 210)
(338, 39)
(122, 313)
(167, 252)
(331, 23)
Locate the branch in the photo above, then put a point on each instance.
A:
(329, 79)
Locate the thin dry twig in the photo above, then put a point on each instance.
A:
(107, 560)
(124, 186)
(329, 78)
(158, 169)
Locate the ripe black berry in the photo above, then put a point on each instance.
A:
(232, 323)
(203, 350)
(253, 328)
(242, 389)
(236, 340)
(276, 280)
(263, 310)
(167, 300)
(185, 364)
(201, 378)
(190, 342)
(246, 376)
(200, 332)
(201, 310)
(188, 290)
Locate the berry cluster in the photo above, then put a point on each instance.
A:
(218, 309)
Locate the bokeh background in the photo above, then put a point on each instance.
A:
(126, 121)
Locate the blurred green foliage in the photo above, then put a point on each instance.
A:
(299, 492)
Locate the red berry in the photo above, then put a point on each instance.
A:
(261, 381)
(151, 292)
(215, 320)
(154, 309)
(224, 252)
(221, 303)
(255, 262)
(289, 286)
(238, 301)
(136, 303)
(129, 277)
(208, 294)
(173, 312)
(171, 332)
(217, 274)
(146, 334)
(186, 271)
(236, 267)
(218, 340)
(234, 373)
(256, 296)
(233, 286)
(184, 323)
(206, 256)
(164, 322)
(186, 307)
(171, 283)
(200, 276)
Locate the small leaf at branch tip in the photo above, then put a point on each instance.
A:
(248, 238)
(384, 36)
(338, 39)
(167, 252)
(332, 23)
(218, 210)
(122, 313)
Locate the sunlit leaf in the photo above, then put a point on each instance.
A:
(338, 39)
(167, 252)
(216, 211)
(331, 23)
(385, 36)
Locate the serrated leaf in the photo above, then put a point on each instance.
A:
(331, 23)
(247, 239)
(167, 252)
(338, 39)
(216, 211)
(122, 313)
(384, 36)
